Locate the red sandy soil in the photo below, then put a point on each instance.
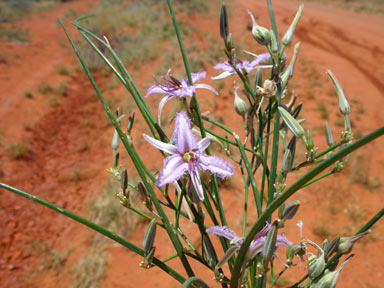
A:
(349, 44)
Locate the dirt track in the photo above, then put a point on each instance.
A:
(349, 44)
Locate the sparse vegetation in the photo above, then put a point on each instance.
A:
(360, 171)
(13, 34)
(64, 70)
(28, 94)
(19, 151)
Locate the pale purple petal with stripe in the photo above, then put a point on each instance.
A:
(184, 138)
(224, 66)
(174, 167)
(216, 165)
(263, 231)
(196, 181)
(169, 148)
(203, 144)
(282, 240)
(197, 76)
(206, 86)
(222, 75)
(162, 103)
(155, 89)
(260, 58)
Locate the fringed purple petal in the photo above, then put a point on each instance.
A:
(154, 89)
(282, 240)
(174, 167)
(224, 66)
(260, 58)
(197, 76)
(206, 86)
(216, 166)
(184, 138)
(256, 246)
(196, 181)
(169, 148)
(203, 144)
(222, 231)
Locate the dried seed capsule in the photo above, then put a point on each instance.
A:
(288, 36)
(149, 237)
(292, 123)
(344, 107)
(261, 34)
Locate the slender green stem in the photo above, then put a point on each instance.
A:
(244, 157)
(95, 227)
(318, 178)
(290, 191)
(264, 176)
(136, 160)
(273, 21)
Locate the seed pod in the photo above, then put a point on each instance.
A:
(228, 254)
(239, 104)
(288, 36)
(297, 110)
(149, 237)
(292, 123)
(224, 27)
(289, 155)
(209, 252)
(345, 244)
(344, 107)
(329, 279)
(291, 209)
(115, 140)
(316, 265)
(261, 34)
(287, 159)
(146, 198)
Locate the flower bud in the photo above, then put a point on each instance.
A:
(328, 134)
(316, 265)
(131, 120)
(239, 104)
(297, 110)
(345, 244)
(269, 245)
(144, 194)
(343, 103)
(124, 180)
(274, 42)
(291, 209)
(261, 34)
(289, 255)
(329, 279)
(292, 123)
(288, 36)
(147, 263)
(149, 237)
(289, 71)
(115, 140)
(224, 27)
(331, 247)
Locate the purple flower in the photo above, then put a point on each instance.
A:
(257, 243)
(187, 156)
(174, 88)
(247, 66)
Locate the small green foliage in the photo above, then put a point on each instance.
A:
(64, 70)
(45, 88)
(28, 94)
(20, 151)
(13, 34)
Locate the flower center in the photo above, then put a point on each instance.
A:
(189, 155)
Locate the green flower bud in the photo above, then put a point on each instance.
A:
(316, 265)
(274, 42)
(269, 245)
(343, 103)
(292, 123)
(239, 104)
(149, 237)
(328, 134)
(124, 180)
(261, 34)
(131, 120)
(289, 71)
(331, 247)
(224, 27)
(345, 244)
(288, 36)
